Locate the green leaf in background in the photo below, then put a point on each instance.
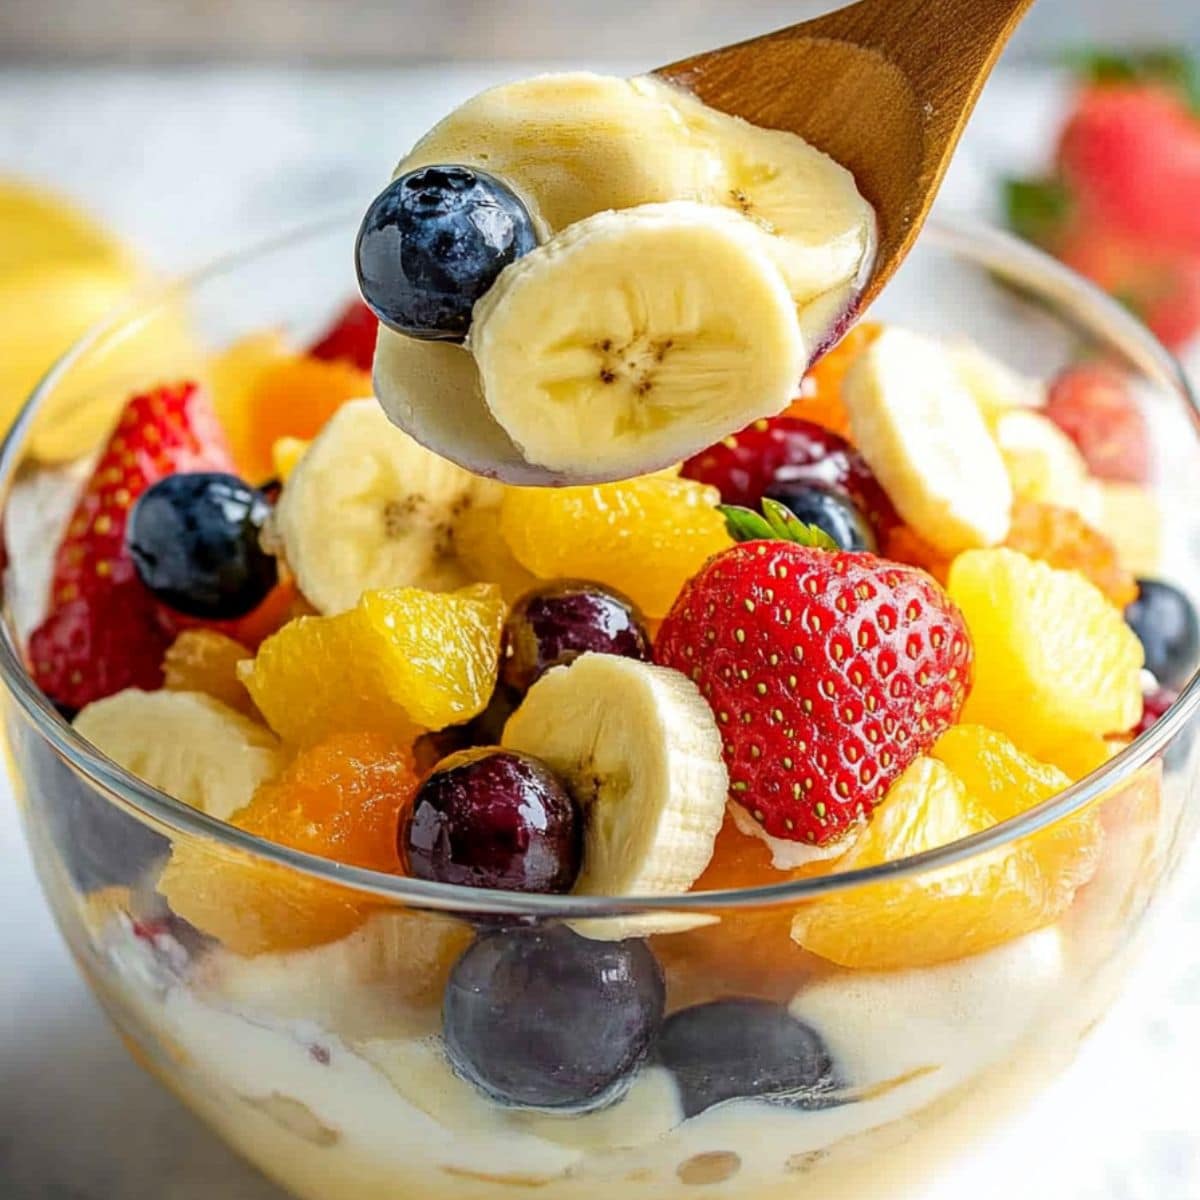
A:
(1175, 69)
(1037, 209)
(775, 523)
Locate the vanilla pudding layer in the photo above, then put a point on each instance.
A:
(343, 1094)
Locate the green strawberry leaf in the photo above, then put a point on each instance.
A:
(1175, 69)
(1037, 209)
(776, 523)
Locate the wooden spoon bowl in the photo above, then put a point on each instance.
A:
(884, 87)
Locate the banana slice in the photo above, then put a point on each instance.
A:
(923, 436)
(636, 338)
(185, 744)
(819, 228)
(994, 386)
(1045, 466)
(639, 748)
(367, 507)
(573, 145)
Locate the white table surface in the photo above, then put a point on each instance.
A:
(192, 162)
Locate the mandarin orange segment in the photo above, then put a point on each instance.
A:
(201, 660)
(1053, 657)
(1009, 783)
(1062, 538)
(903, 544)
(820, 398)
(264, 393)
(645, 537)
(403, 659)
(968, 907)
(341, 799)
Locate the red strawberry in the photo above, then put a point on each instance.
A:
(1092, 405)
(351, 338)
(790, 450)
(1130, 154)
(1162, 287)
(105, 631)
(98, 644)
(829, 673)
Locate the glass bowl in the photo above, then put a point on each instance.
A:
(325, 1066)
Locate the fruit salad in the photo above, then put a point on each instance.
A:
(507, 739)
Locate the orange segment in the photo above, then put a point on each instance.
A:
(342, 800)
(264, 393)
(402, 659)
(971, 906)
(904, 544)
(1053, 657)
(200, 660)
(820, 398)
(645, 537)
(1062, 538)
(1010, 783)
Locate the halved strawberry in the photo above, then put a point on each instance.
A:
(104, 631)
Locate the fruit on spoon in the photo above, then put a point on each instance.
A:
(636, 338)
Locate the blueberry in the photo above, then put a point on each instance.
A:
(493, 818)
(99, 844)
(194, 539)
(432, 242)
(1166, 625)
(556, 622)
(742, 1049)
(544, 1018)
(829, 509)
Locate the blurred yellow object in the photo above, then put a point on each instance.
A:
(60, 274)
(43, 311)
(37, 228)
(286, 452)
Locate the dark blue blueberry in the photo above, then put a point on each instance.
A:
(1166, 625)
(556, 622)
(828, 509)
(743, 1049)
(544, 1018)
(492, 818)
(99, 844)
(432, 242)
(195, 543)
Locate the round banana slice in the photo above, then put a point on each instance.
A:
(638, 747)
(820, 229)
(572, 145)
(185, 744)
(924, 438)
(367, 507)
(636, 338)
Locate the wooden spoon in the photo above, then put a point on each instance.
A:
(884, 87)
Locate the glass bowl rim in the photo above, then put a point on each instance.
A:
(965, 239)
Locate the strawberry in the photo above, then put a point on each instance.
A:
(1130, 153)
(111, 639)
(351, 338)
(829, 672)
(1092, 405)
(1123, 203)
(104, 630)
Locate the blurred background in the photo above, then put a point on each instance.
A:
(143, 137)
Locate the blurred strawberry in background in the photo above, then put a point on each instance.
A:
(1122, 204)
